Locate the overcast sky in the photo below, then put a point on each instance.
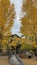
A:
(17, 24)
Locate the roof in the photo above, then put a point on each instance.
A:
(15, 35)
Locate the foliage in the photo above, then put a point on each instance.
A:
(29, 21)
(7, 15)
(27, 46)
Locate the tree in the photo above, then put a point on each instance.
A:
(29, 21)
(7, 15)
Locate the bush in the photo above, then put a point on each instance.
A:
(26, 46)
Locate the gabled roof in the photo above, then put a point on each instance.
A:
(15, 35)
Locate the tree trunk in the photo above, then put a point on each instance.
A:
(36, 48)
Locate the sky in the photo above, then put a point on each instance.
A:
(16, 27)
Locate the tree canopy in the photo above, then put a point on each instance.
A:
(29, 21)
(7, 15)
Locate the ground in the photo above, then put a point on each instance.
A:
(4, 61)
(31, 61)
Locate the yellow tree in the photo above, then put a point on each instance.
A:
(7, 15)
(29, 21)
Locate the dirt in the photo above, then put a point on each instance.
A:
(4, 61)
(31, 61)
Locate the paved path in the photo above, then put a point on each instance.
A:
(4, 61)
